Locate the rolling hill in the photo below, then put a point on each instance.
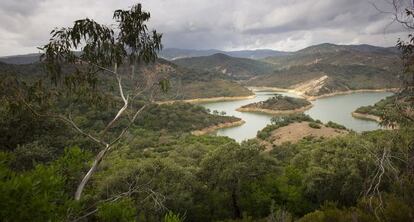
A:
(329, 68)
(236, 68)
(185, 83)
(174, 53)
(386, 58)
(314, 71)
(21, 59)
(191, 83)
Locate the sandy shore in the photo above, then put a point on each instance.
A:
(374, 118)
(311, 98)
(267, 89)
(349, 92)
(274, 89)
(275, 112)
(212, 99)
(366, 116)
(216, 127)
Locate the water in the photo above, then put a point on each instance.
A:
(336, 108)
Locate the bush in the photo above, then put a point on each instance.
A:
(29, 155)
(123, 211)
(171, 217)
(335, 125)
(314, 125)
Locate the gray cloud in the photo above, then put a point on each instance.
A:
(203, 24)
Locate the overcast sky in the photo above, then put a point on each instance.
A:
(286, 25)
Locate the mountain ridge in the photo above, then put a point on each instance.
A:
(236, 68)
(177, 53)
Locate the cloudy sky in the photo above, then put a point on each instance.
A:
(204, 24)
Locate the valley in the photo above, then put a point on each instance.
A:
(222, 119)
(212, 111)
(336, 109)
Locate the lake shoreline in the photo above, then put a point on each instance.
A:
(211, 99)
(256, 121)
(272, 89)
(214, 128)
(275, 112)
(365, 116)
(313, 98)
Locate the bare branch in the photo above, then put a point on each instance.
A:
(102, 154)
(125, 100)
(66, 120)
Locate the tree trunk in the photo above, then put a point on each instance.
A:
(236, 208)
(95, 164)
(132, 71)
(92, 170)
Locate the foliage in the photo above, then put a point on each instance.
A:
(122, 210)
(335, 125)
(393, 110)
(179, 117)
(171, 217)
(314, 125)
(378, 108)
(40, 194)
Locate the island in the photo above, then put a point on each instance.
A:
(278, 105)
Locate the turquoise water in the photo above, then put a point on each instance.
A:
(336, 108)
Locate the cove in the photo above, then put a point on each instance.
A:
(335, 108)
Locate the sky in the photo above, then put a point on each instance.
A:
(285, 25)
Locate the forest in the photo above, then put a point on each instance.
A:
(83, 138)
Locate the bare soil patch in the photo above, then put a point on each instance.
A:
(297, 131)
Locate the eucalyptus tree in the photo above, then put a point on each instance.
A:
(90, 49)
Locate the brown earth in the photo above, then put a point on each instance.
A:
(297, 131)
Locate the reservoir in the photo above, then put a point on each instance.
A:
(335, 108)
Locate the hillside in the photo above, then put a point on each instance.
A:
(329, 68)
(185, 83)
(313, 71)
(192, 84)
(380, 57)
(174, 53)
(180, 117)
(236, 68)
(21, 59)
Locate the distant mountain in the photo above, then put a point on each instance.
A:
(173, 53)
(331, 48)
(168, 54)
(328, 68)
(339, 55)
(315, 70)
(21, 59)
(236, 68)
